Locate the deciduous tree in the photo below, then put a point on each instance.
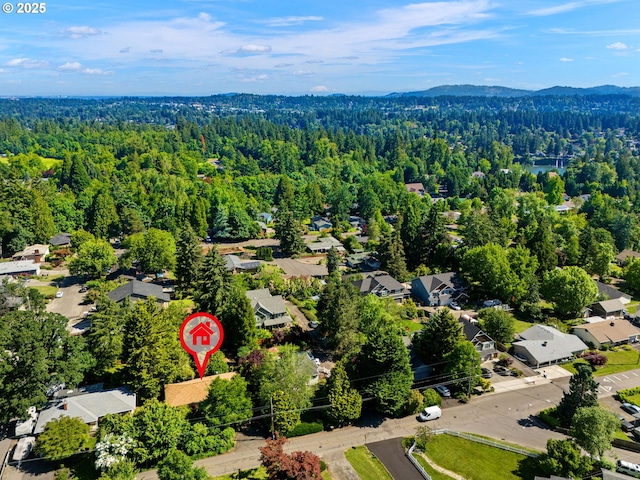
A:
(498, 324)
(94, 259)
(570, 289)
(594, 428)
(227, 401)
(154, 249)
(62, 437)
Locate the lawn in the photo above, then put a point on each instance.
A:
(410, 326)
(486, 463)
(46, 290)
(434, 474)
(254, 474)
(367, 466)
(620, 360)
(521, 325)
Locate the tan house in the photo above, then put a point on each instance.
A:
(35, 252)
(607, 332)
(191, 392)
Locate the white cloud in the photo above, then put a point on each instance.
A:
(80, 32)
(256, 78)
(292, 20)
(26, 63)
(617, 46)
(319, 88)
(96, 71)
(253, 48)
(304, 73)
(591, 33)
(71, 66)
(621, 74)
(565, 59)
(567, 7)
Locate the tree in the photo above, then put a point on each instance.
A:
(344, 400)
(392, 256)
(293, 466)
(227, 401)
(154, 249)
(570, 289)
(289, 231)
(631, 274)
(583, 392)
(594, 428)
(600, 260)
(487, 270)
(498, 324)
(106, 338)
(333, 260)
(94, 259)
(563, 458)
(554, 190)
(543, 247)
(103, 217)
(79, 237)
(238, 321)
(438, 336)
(285, 414)
(213, 282)
(338, 308)
(63, 437)
(462, 362)
(431, 397)
(111, 450)
(188, 260)
(178, 465)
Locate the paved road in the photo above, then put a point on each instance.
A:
(391, 454)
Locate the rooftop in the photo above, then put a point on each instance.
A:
(136, 288)
(191, 391)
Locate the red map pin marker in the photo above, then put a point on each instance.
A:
(201, 334)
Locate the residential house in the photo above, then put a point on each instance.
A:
(19, 268)
(626, 255)
(607, 332)
(543, 345)
(191, 392)
(265, 217)
(382, 284)
(356, 222)
(417, 188)
(485, 345)
(609, 292)
(608, 309)
(319, 223)
(60, 240)
(364, 261)
(235, 265)
(136, 290)
(437, 290)
(89, 407)
(36, 252)
(307, 363)
(270, 310)
(323, 245)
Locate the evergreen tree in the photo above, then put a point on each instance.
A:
(333, 260)
(103, 218)
(543, 247)
(42, 224)
(583, 392)
(289, 231)
(213, 282)
(188, 260)
(438, 336)
(433, 238)
(392, 256)
(344, 400)
(239, 321)
(339, 310)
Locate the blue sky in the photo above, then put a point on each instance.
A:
(203, 47)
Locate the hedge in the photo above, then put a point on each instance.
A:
(306, 428)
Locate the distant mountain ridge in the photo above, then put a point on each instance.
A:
(497, 91)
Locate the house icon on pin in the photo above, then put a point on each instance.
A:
(201, 332)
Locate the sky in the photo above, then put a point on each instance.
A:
(368, 47)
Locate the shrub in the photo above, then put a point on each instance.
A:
(505, 360)
(431, 398)
(462, 397)
(306, 428)
(595, 359)
(627, 394)
(264, 253)
(415, 402)
(517, 373)
(550, 417)
(532, 311)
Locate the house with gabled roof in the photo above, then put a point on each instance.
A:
(543, 345)
(608, 309)
(136, 290)
(270, 310)
(382, 284)
(484, 344)
(319, 223)
(607, 332)
(437, 290)
(60, 240)
(609, 292)
(323, 245)
(19, 268)
(36, 252)
(416, 187)
(234, 264)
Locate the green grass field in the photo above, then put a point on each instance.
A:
(486, 463)
(410, 326)
(367, 466)
(47, 290)
(618, 361)
(434, 474)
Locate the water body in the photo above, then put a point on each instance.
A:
(535, 169)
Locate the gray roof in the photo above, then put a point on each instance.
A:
(89, 407)
(375, 283)
(541, 332)
(610, 291)
(136, 288)
(325, 244)
(60, 239)
(233, 262)
(19, 266)
(262, 298)
(546, 344)
(432, 282)
(609, 306)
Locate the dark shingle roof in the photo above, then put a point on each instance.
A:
(60, 239)
(136, 288)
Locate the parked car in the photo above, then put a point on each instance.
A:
(486, 373)
(430, 413)
(454, 306)
(630, 408)
(84, 289)
(629, 468)
(443, 391)
(313, 324)
(59, 294)
(500, 370)
(627, 426)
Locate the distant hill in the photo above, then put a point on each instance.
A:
(497, 91)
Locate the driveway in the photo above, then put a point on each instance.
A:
(70, 304)
(391, 454)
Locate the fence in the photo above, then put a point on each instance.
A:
(485, 441)
(416, 464)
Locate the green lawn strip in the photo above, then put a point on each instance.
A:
(486, 463)
(254, 474)
(434, 474)
(521, 325)
(46, 290)
(410, 326)
(366, 465)
(617, 361)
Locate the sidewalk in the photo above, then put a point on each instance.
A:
(546, 375)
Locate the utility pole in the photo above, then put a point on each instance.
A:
(273, 433)
(471, 365)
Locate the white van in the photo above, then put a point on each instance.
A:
(430, 413)
(629, 468)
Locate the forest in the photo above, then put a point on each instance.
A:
(156, 176)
